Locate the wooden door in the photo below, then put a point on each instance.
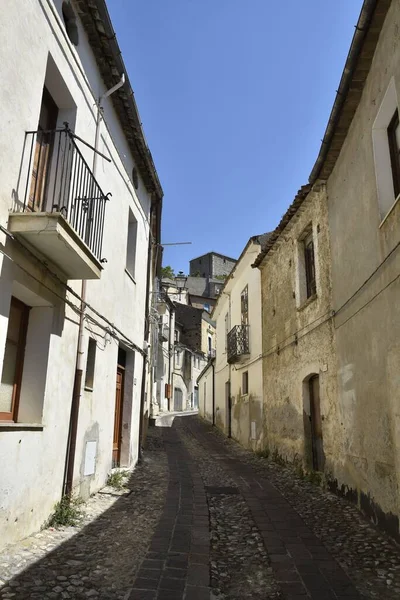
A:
(42, 154)
(119, 396)
(316, 425)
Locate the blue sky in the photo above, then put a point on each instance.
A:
(234, 96)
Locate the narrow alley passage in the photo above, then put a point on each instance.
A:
(204, 519)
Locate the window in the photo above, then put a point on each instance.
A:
(178, 358)
(309, 263)
(226, 331)
(386, 144)
(131, 244)
(245, 383)
(91, 359)
(244, 306)
(70, 23)
(11, 377)
(393, 132)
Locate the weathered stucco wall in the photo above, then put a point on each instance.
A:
(206, 391)
(298, 339)
(367, 328)
(244, 420)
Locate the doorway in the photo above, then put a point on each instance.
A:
(119, 398)
(178, 399)
(43, 153)
(317, 448)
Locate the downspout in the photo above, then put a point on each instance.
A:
(146, 330)
(76, 393)
(170, 355)
(213, 393)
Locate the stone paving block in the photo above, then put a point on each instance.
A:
(152, 563)
(197, 593)
(174, 573)
(149, 574)
(167, 583)
(169, 595)
(142, 595)
(146, 584)
(201, 559)
(198, 575)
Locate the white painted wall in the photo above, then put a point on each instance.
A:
(245, 408)
(34, 48)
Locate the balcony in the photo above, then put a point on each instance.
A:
(238, 347)
(63, 208)
(164, 333)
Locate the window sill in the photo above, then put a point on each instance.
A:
(88, 389)
(130, 276)
(4, 426)
(389, 212)
(307, 302)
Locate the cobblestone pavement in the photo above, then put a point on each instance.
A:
(99, 558)
(319, 542)
(204, 519)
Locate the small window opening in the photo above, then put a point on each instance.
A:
(309, 262)
(393, 132)
(131, 244)
(91, 359)
(70, 23)
(245, 383)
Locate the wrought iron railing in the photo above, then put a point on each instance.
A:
(58, 179)
(238, 342)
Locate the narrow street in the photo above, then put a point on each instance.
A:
(204, 519)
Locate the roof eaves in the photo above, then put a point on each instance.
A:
(287, 217)
(348, 95)
(102, 38)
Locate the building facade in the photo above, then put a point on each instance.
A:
(359, 161)
(212, 266)
(80, 207)
(299, 364)
(234, 401)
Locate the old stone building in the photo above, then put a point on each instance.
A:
(359, 161)
(211, 265)
(299, 366)
(331, 295)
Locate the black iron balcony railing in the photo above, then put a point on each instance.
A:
(59, 180)
(238, 343)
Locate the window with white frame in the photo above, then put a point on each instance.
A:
(386, 144)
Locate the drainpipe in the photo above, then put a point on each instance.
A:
(171, 350)
(213, 393)
(145, 337)
(76, 393)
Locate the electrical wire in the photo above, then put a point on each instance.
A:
(111, 329)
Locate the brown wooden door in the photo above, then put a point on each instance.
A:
(316, 425)
(42, 155)
(119, 395)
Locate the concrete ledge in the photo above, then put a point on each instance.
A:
(166, 419)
